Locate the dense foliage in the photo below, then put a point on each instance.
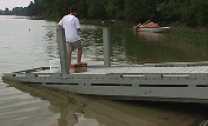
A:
(190, 12)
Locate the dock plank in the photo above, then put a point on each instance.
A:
(107, 70)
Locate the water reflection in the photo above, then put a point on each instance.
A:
(83, 121)
(76, 110)
(151, 37)
(71, 108)
(18, 108)
(178, 45)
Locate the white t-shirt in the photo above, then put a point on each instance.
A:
(71, 24)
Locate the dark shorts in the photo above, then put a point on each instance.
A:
(74, 45)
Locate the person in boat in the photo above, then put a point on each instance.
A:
(71, 25)
(147, 24)
(151, 25)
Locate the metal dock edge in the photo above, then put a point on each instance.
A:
(185, 84)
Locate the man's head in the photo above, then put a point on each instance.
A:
(73, 11)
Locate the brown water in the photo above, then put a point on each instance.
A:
(28, 43)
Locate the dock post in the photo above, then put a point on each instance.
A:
(107, 46)
(61, 40)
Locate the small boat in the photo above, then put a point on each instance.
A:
(153, 29)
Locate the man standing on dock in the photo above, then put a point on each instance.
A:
(71, 25)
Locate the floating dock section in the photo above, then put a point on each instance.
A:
(184, 84)
(181, 82)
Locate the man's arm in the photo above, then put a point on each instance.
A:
(78, 26)
(61, 22)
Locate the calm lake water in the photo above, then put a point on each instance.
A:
(26, 44)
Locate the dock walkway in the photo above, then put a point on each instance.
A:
(146, 69)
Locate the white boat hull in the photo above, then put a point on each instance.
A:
(154, 30)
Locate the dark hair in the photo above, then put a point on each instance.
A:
(72, 10)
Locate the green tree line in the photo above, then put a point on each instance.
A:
(189, 12)
(31, 10)
(6, 11)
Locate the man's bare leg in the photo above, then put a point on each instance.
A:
(69, 51)
(79, 55)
